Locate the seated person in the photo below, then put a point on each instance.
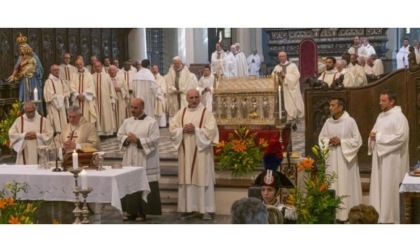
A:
(363, 214)
(248, 211)
(274, 215)
(271, 181)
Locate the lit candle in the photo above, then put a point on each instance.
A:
(35, 94)
(83, 175)
(75, 157)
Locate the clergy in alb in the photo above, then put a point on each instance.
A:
(105, 101)
(160, 101)
(357, 71)
(83, 92)
(241, 64)
(178, 81)
(27, 132)
(66, 70)
(193, 133)
(145, 88)
(388, 145)
(122, 96)
(402, 55)
(341, 135)
(79, 134)
(139, 139)
(330, 74)
(205, 87)
(218, 60)
(254, 63)
(56, 96)
(290, 75)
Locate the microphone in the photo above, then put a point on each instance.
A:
(56, 169)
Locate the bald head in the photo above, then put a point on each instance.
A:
(282, 57)
(79, 64)
(193, 98)
(29, 109)
(137, 107)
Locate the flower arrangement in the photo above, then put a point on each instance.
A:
(8, 121)
(240, 153)
(12, 209)
(316, 203)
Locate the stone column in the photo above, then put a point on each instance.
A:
(137, 47)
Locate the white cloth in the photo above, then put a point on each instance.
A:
(241, 65)
(402, 57)
(329, 76)
(293, 101)
(105, 102)
(56, 95)
(359, 50)
(369, 50)
(358, 74)
(254, 63)
(348, 80)
(378, 67)
(218, 63)
(26, 150)
(207, 96)
(147, 131)
(195, 159)
(109, 186)
(177, 81)
(144, 87)
(368, 69)
(65, 73)
(161, 109)
(390, 162)
(84, 134)
(82, 83)
(342, 160)
(230, 65)
(122, 99)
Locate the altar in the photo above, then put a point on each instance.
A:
(409, 196)
(109, 186)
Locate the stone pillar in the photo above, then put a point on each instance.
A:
(201, 44)
(137, 47)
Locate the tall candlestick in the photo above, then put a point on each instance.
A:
(35, 94)
(75, 157)
(83, 176)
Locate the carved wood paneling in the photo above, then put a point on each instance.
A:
(50, 44)
(363, 106)
(330, 41)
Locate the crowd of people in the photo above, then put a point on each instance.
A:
(86, 102)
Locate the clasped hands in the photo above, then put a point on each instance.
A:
(69, 145)
(335, 141)
(131, 138)
(189, 128)
(81, 97)
(372, 136)
(30, 135)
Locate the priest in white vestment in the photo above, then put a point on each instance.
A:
(341, 135)
(357, 48)
(145, 88)
(357, 71)
(139, 139)
(369, 48)
(377, 65)
(66, 70)
(348, 78)
(122, 100)
(366, 67)
(241, 64)
(290, 75)
(218, 61)
(56, 95)
(105, 102)
(160, 101)
(83, 92)
(331, 73)
(128, 72)
(388, 145)
(178, 81)
(254, 63)
(79, 134)
(27, 132)
(402, 55)
(230, 62)
(193, 133)
(205, 87)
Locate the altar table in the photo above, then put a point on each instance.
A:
(409, 189)
(109, 186)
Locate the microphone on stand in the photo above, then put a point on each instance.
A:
(56, 169)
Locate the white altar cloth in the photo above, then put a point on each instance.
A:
(410, 184)
(109, 186)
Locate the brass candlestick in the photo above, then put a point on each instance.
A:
(85, 210)
(77, 212)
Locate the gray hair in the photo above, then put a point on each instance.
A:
(74, 109)
(248, 211)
